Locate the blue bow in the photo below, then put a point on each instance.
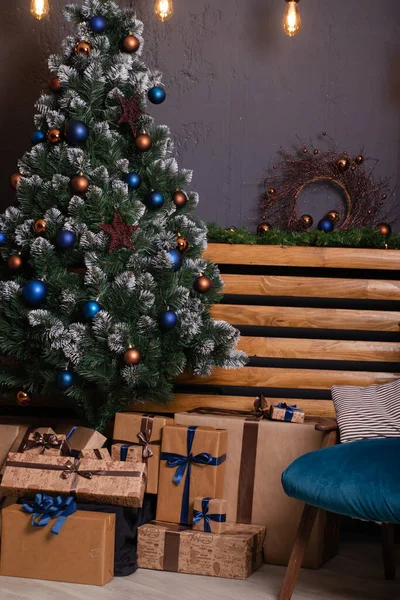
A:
(45, 508)
(289, 410)
(203, 514)
(184, 464)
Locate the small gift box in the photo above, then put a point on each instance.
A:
(192, 464)
(107, 482)
(82, 553)
(82, 438)
(284, 412)
(209, 515)
(137, 438)
(44, 441)
(102, 454)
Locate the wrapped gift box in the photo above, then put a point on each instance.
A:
(258, 453)
(138, 439)
(8, 435)
(44, 441)
(289, 414)
(192, 464)
(83, 552)
(235, 554)
(108, 482)
(82, 438)
(102, 454)
(209, 515)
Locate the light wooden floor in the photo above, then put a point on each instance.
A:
(354, 575)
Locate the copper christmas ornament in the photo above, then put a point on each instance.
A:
(80, 183)
(182, 244)
(342, 164)
(39, 226)
(384, 196)
(271, 191)
(23, 399)
(263, 228)
(15, 179)
(333, 215)
(359, 159)
(54, 136)
(132, 356)
(54, 84)
(14, 262)
(83, 48)
(316, 151)
(384, 229)
(179, 198)
(130, 44)
(306, 221)
(143, 142)
(203, 284)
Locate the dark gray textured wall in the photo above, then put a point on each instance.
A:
(238, 88)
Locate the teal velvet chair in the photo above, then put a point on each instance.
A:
(359, 480)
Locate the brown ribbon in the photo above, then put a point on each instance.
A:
(97, 454)
(171, 544)
(45, 441)
(261, 410)
(144, 435)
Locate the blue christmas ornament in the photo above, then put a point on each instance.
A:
(35, 291)
(133, 180)
(76, 132)
(65, 379)
(38, 137)
(168, 320)
(154, 200)
(157, 95)
(98, 24)
(3, 237)
(176, 258)
(65, 238)
(326, 225)
(90, 309)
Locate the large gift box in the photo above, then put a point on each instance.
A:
(258, 452)
(235, 554)
(108, 482)
(83, 551)
(137, 438)
(192, 464)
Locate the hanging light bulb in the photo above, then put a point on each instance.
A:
(40, 8)
(163, 9)
(291, 18)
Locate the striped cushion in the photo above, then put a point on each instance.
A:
(368, 412)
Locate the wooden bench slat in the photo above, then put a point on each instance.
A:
(298, 256)
(308, 318)
(311, 287)
(287, 378)
(320, 349)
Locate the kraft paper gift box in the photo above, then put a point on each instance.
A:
(44, 441)
(102, 454)
(235, 554)
(105, 482)
(137, 438)
(83, 552)
(192, 464)
(83, 438)
(284, 412)
(258, 452)
(8, 435)
(209, 515)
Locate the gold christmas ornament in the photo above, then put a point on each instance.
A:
(359, 159)
(54, 84)
(342, 164)
(132, 356)
(14, 262)
(306, 221)
(333, 215)
(54, 136)
(272, 191)
(384, 229)
(23, 399)
(80, 183)
(182, 243)
(15, 179)
(130, 44)
(263, 228)
(143, 142)
(179, 198)
(39, 226)
(203, 284)
(83, 48)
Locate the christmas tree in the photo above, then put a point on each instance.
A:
(105, 296)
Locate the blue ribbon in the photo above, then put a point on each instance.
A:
(289, 410)
(203, 514)
(45, 508)
(184, 464)
(72, 431)
(124, 452)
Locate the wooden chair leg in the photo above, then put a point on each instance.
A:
(296, 558)
(389, 550)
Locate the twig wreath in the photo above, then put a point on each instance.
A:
(365, 198)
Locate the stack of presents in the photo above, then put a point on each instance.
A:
(200, 494)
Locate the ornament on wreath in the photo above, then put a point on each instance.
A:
(35, 291)
(272, 191)
(154, 200)
(359, 159)
(83, 48)
(203, 284)
(65, 379)
(76, 132)
(54, 84)
(343, 164)
(306, 221)
(97, 24)
(14, 262)
(182, 244)
(133, 180)
(39, 226)
(143, 142)
(132, 356)
(263, 228)
(179, 198)
(15, 179)
(384, 229)
(326, 225)
(65, 239)
(333, 215)
(54, 136)
(38, 137)
(168, 320)
(23, 399)
(156, 95)
(80, 183)
(3, 238)
(91, 309)
(120, 233)
(176, 259)
(130, 44)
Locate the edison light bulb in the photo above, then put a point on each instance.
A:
(291, 18)
(40, 8)
(163, 10)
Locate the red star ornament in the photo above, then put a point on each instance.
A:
(131, 112)
(120, 233)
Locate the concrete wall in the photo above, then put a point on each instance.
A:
(238, 88)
